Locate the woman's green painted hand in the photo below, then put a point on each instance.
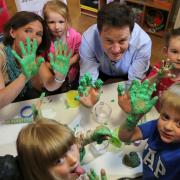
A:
(28, 62)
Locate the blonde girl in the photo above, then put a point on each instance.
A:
(57, 18)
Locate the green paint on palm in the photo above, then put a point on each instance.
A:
(140, 94)
(141, 101)
(166, 66)
(28, 62)
(60, 62)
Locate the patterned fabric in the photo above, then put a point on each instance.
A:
(14, 71)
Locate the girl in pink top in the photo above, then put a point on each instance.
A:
(57, 17)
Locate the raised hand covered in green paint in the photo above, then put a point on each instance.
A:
(89, 92)
(138, 97)
(60, 61)
(93, 176)
(165, 69)
(140, 94)
(138, 101)
(28, 62)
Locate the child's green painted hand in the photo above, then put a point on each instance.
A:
(60, 63)
(28, 61)
(165, 69)
(140, 95)
(36, 108)
(89, 92)
(93, 176)
(100, 134)
(138, 101)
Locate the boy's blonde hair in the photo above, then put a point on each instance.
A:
(40, 145)
(58, 7)
(171, 98)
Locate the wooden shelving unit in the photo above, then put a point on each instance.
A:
(141, 9)
(89, 8)
(145, 6)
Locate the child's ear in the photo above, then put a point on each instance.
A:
(12, 33)
(165, 50)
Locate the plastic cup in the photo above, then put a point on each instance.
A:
(102, 113)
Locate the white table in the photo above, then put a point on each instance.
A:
(55, 107)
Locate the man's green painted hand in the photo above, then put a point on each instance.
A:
(89, 92)
(60, 63)
(28, 62)
(93, 176)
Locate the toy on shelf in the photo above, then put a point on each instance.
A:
(155, 19)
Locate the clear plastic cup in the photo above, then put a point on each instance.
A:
(102, 112)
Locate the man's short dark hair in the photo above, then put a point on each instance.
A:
(115, 14)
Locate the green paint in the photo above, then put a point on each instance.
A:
(141, 101)
(28, 62)
(18, 120)
(93, 175)
(99, 134)
(98, 84)
(132, 159)
(61, 61)
(140, 94)
(37, 112)
(104, 177)
(114, 140)
(165, 67)
(42, 96)
(120, 89)
(82, 153)
(112, 100)
(86, 83)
